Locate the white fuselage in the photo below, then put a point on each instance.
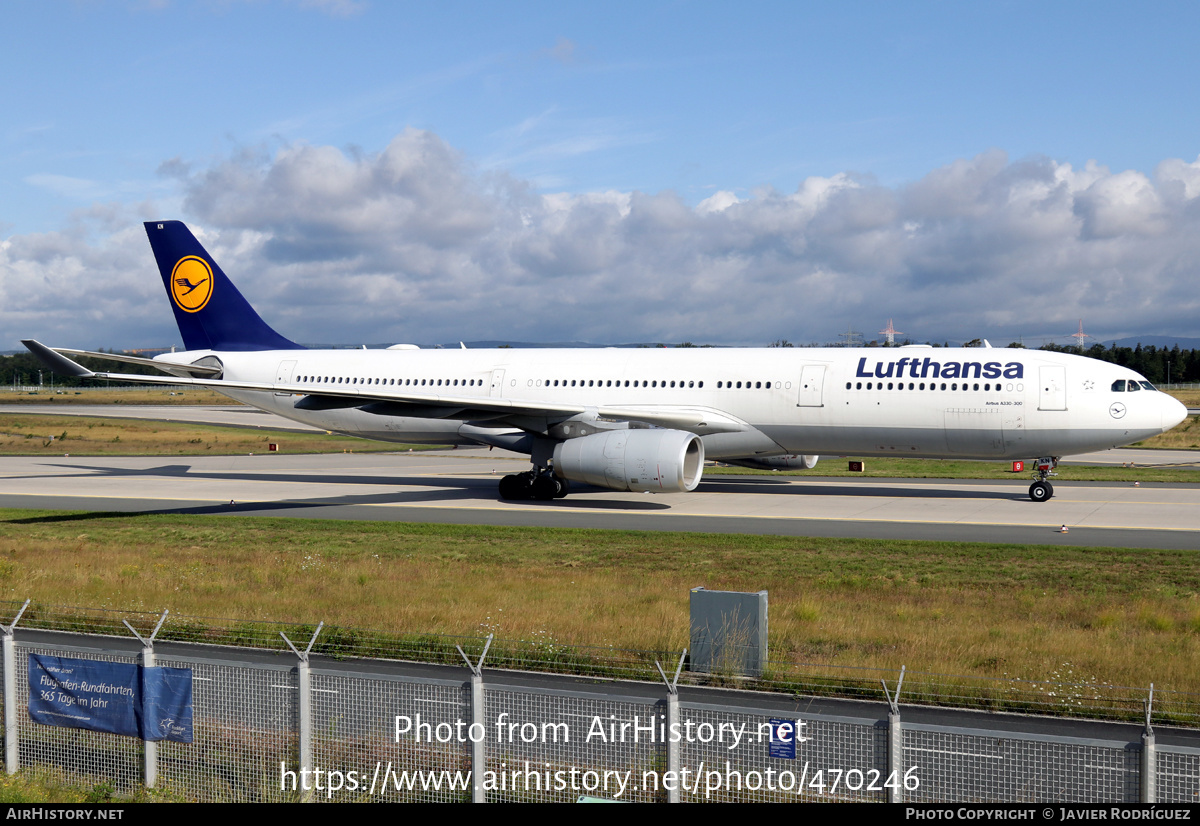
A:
(922, 402)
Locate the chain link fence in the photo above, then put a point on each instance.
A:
(271, 726)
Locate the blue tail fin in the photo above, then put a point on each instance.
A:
(210, 312)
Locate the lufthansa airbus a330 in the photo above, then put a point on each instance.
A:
(646, 419)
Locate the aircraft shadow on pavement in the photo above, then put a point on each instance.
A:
(296, 507)
(447, 488)
(450, 490)
(70, 517)
(865, 489)
(189, 472)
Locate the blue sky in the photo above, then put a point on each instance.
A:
(119, 112)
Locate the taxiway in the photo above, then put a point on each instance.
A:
(459, 487)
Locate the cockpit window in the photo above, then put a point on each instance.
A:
(1119, 386)
(1147, 385)
(1132, 386)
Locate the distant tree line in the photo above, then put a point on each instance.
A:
(1158, 364)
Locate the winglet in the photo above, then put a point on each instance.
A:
(56, 361)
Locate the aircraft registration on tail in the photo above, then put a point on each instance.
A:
(646, 419)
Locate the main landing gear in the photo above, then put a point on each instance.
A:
(1041, 490)
(540, 484)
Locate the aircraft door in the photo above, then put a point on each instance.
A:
(812, 378)
(497, 389)
(1052, 388)
(283, 375)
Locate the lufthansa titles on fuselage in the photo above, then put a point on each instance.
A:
(928, 368)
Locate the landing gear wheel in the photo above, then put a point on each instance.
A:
(563, 488)
(515, 486)
(545, 488)
(1041, 491)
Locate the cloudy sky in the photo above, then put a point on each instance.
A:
(372, 171)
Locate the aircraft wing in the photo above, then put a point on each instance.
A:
(525, 414)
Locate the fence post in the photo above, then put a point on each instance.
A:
(149, 747)
(11, 743)
(895, 747)
(478, 744)
(1149, 773)
(304, 673)
(672, 725)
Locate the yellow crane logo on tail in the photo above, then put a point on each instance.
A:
(191, 284)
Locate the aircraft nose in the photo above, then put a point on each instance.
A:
(1173, 412)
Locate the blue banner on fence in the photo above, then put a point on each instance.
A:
(120, 698)
(783, 738)
(91, 694)
(167, 704)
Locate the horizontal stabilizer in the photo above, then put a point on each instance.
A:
(56, 362)
(166, 367)
(56, 359)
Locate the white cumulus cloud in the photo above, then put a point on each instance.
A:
(414, 243)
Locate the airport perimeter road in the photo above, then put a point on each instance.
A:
(459, 487)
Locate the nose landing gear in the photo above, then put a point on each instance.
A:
(1041, 490)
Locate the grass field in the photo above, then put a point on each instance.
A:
(1097, 615)
(104, 395)
(40, 785)
(37, 435)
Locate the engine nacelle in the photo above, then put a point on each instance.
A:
(790, 462)
(653, 459)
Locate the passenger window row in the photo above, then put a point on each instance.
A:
(391, 382)
(618, 383)
(899, 385)
(655, 383)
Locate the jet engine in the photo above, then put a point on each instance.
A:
(651, 459)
